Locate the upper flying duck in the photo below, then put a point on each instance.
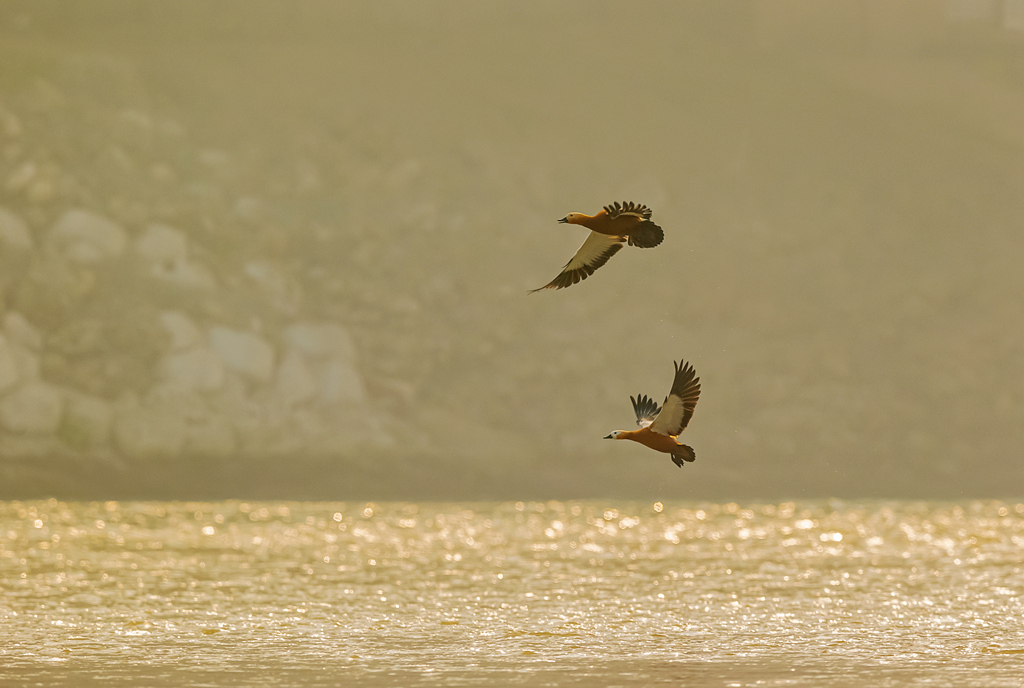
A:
(609, 228)
(660, 427)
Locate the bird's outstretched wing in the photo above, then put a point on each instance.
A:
(594, 253)
(678, 407)
(646, 410)
(628, 208)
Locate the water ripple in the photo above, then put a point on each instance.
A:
(550, 593)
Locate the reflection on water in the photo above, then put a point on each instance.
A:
(539, 593)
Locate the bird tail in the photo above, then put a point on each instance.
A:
(646, 235)
(683, 453)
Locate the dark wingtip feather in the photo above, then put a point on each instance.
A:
(645, 408)
(571, 277)
(616, 209)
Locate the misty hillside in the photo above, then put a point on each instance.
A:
(249, 249)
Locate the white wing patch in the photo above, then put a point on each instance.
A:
(682, 400)
(670, 417)
(595, 252)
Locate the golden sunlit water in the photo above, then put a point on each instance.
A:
(535, 593)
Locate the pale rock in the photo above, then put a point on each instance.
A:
(308, 177)
(138, 119)
(233, 398)
(22, 176)
(399, 391)
(160, 243)
(248, 208)
(341, 383)
(212, 157)
(85, 237)
(172, 400)
(42, 189)
(8, 365)
(233, 403)
(332, 353)
(115, 160)
(26, 362)
(282, 292)
(404, 173)
(21, 331)
(14, 232)
(163, 173)
(185, 273)
(321, 339)
(295, 383)
(87, 421)
(10, 124)
(310, 423)
(184, 333)
(34, 407)
(243, 352)
(45, 96)
(206, 431)
(147, 434)
(137, 128)
(170, 127)
(264, 273)
(165, 249)
(198, 368)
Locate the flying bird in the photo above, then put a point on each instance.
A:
(609, 228)
(660, 427)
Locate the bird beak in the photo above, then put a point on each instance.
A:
(608, 437)
(564, 219)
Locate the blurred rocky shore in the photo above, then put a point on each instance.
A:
(129, 337)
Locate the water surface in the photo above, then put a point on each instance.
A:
(552, 593)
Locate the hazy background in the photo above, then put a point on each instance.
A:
(301, 235)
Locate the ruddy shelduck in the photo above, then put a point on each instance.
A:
(616, 223)
(661, 427)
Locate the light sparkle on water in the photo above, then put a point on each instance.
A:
(580, 592)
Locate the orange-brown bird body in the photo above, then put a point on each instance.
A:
(609, 228)
(604, 223)
(660, 427)
(649, 438)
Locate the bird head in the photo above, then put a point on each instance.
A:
(572, 218)
(614, 435)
